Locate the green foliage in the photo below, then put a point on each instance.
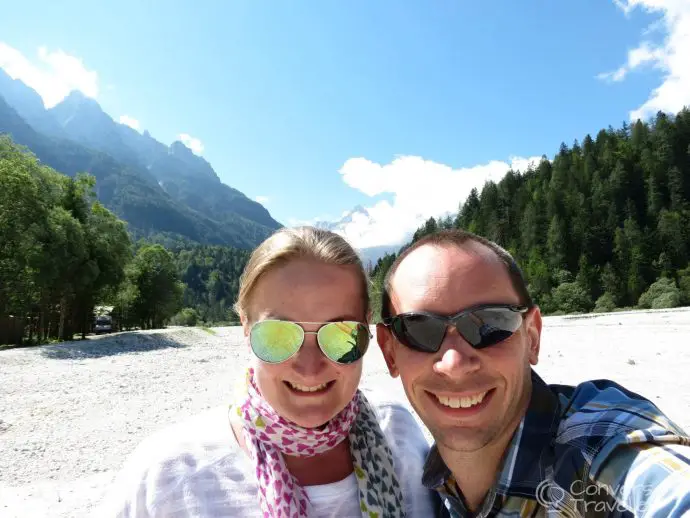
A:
(612, 213)
(664, 293)
(186, 317)
(605, 304)
(153, 279)
(211, 277)
(61, 250)
(684, 285)
(670, 299)
(570, 297)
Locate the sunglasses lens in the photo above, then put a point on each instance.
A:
(275, 341)
(420, 332)
(489, 326)
(344, 342)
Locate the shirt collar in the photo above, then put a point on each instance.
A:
(526, 458)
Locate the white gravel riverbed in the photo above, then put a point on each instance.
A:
(71, 413)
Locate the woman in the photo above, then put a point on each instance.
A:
(301, 440)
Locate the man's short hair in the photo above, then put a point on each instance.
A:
(459, 238)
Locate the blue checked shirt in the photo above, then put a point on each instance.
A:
(592, 450)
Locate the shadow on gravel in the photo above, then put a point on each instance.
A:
(124, 343)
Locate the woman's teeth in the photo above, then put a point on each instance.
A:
(461, 402)
(304, 388)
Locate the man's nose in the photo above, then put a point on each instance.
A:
(458, 358)
(310, 361)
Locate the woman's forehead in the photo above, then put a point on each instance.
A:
(308, 291)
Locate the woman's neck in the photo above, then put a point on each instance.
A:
(326, 468)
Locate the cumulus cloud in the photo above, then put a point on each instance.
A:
(420, 189)
(53, 74)
(130, 121)
(672, 56)
(191, 142)
(262, 199)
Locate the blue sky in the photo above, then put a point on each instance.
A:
(316, 107)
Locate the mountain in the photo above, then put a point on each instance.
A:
(186, 177)
(157, 189)
(28, 105)
(344, 226)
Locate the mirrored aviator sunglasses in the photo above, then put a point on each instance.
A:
(481, 326)
(275, 341)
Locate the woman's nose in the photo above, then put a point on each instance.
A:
(309, 361)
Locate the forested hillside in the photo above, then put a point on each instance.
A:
(63, 255)
(604, 225)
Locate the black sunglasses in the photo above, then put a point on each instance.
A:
(481, 326)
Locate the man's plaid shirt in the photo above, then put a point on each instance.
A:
(592, 450)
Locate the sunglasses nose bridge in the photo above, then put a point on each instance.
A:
(453, 332)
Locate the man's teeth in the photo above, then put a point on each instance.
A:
(461, 402)
(304, 388)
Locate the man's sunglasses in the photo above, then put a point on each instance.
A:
(481, 326)
(275, 341)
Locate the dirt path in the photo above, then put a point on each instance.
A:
(70, 414)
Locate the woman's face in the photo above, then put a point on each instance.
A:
(307, 291)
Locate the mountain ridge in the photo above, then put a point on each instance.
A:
(157, 189)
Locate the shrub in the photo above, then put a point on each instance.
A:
(605, 304)
(670, 299)
(570, 297)
(663, 287)
(186, 317)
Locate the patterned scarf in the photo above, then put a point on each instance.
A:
(268, 436)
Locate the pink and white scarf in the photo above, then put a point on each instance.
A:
(268, 436)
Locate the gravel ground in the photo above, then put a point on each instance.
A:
(71, 413)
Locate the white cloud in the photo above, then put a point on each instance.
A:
(672, 56)
(420, 189)
(191, 142)
(54, 74)
(130, 121)
(262, 199)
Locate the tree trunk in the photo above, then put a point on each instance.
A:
(63, 312)
(31, 328)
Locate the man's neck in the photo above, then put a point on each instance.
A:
(475, 472)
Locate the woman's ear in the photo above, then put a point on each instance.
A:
(245, 323)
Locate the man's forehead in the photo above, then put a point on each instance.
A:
(428, 273)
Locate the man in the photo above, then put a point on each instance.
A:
(462, 332)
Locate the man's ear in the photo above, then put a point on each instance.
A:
(533, 327)
(386, 342)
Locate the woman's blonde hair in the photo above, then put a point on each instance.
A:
(288, 244)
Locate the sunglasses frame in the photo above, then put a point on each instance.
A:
(305, 333)
(450, 320)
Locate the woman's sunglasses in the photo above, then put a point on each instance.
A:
(275, 341)
(481, 326)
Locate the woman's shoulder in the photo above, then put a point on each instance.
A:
(190, 457)
(196, 440)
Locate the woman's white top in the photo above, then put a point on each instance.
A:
(196, 469)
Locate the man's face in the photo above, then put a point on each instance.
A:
(445, 280)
